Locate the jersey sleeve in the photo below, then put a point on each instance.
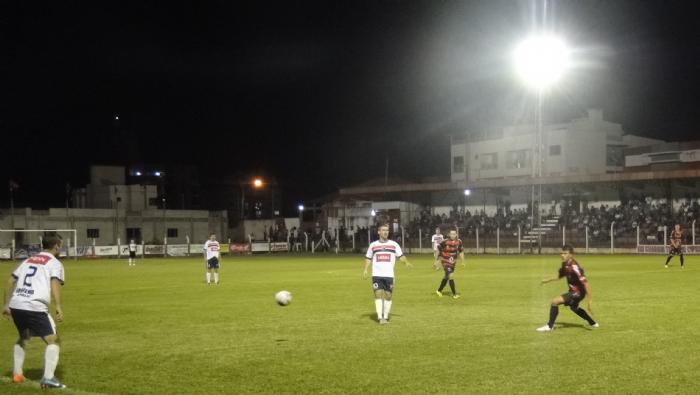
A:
(15, 274)
(205, 246)
(399, 252)
(579, 273)
(369, 254)
(460, 249)
(441, 246)
(56, 271)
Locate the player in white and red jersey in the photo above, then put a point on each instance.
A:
(437, 238)
(213, 258)
(382, 255)
(27, 299)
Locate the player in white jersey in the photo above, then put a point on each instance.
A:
(437, 238)
(27, 299)
(382, 255)
(213, 257)
(132, 253)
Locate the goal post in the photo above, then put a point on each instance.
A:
(70, 243)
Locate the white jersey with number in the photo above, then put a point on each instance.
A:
(33, 290)
(436, 240)
(212, 249)
(383, 255)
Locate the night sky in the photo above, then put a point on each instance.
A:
(316, 94)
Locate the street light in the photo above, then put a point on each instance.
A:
(257, 183)
(540, 61)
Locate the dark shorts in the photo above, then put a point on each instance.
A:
(213, 263)
(448, 270)
(383, 283)
(132, 254)
(675, 251)
(572, 299)
(33, 323)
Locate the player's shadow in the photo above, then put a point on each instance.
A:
(373, 316)
(568, 325)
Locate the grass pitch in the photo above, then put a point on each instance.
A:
(157, 328)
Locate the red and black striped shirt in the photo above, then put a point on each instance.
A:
(449, 250)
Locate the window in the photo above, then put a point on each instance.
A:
(458, 164)
(172, 232)
(518, 159)
(93, 233)
(133, 234)
(614, 156)
(489, 161)
(554, 150)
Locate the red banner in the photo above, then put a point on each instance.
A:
(239, 248)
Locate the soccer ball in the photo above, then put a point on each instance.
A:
(283, 298)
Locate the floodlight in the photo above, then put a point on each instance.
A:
(541, 60)
(467, 192)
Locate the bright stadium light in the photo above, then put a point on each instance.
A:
(467, 192)
(157, 173)
(541, 60)
(138, 173)
(257, 183)
(373, 213)
(300, 207)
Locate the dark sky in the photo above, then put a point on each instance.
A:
(316, 94)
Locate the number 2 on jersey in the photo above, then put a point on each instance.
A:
(27, 277)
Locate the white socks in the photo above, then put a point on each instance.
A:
(50, 360)
(208, 277)
(19, 359)
(216, 277)
(383, 307)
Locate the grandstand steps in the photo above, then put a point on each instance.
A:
(544, 228)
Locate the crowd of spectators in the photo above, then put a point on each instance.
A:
(646, 213)
(651, 216)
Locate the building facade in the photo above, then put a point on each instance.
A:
(583, 146)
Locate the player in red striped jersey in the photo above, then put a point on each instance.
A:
(675, 248)
(448, 251)
(578, 290)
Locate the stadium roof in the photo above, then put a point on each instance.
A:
(653, 176)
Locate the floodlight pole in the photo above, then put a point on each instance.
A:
(540, 161)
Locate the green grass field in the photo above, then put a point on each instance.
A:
(157, 328)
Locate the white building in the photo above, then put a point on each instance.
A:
(107, 226)
(583, 146)
(108, 189)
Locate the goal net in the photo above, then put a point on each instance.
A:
(22, 243)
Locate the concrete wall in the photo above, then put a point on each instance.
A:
(153, 224)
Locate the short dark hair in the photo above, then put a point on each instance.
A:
(383, 225)
(568, 248)
(51, 240)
